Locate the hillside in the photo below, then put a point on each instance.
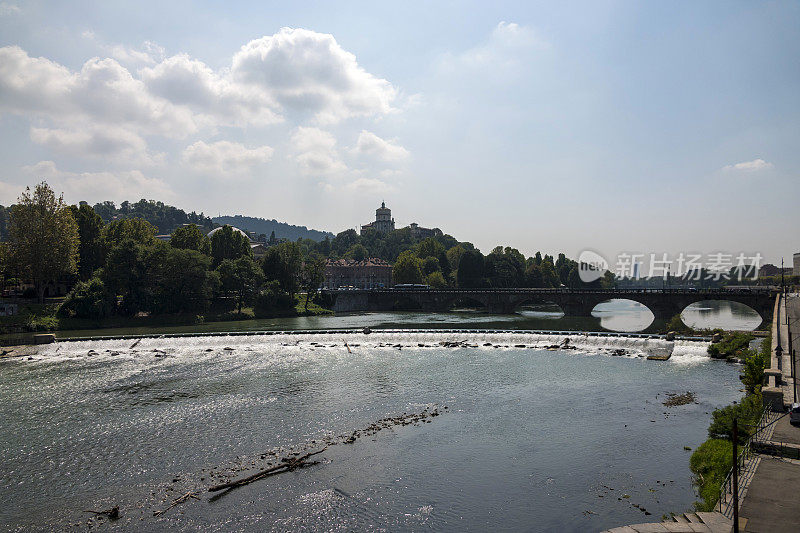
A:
(282, 230)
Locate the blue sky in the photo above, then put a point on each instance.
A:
(616, 126)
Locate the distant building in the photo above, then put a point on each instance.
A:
(259, 249)
(796, 264)
(771, 270)
(164, 238)
(384, 223)
(371, 273)
(418, 232)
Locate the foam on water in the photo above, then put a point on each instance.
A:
(294, 346)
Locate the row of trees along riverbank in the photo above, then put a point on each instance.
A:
(123, 271)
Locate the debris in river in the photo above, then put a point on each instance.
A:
(112, 513)
(178, 501)
(675, 399)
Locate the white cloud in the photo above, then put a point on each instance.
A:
(370, 186)
(98, 186)
(148, 55)
(7, 8)
(115, 145)
(102, 92)
(9, 193)
(308, 71)
(505, 48)
(315, 152)
(183, 80)
(225, 158)
(748, 166)
(372, 146)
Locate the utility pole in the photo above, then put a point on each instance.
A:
(735, 479)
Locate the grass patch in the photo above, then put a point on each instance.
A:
(732, 346)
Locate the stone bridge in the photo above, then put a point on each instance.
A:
(664, 303)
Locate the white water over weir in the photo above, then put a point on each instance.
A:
(681, 350)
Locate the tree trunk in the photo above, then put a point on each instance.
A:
(308, 295)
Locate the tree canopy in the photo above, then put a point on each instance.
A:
(43, 237)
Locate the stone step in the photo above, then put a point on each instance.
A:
(692, 518)
(680, 519)
(716, 522)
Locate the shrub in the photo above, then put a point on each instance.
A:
(731, 345)
(710, 464)
(273, 301)
(88, 299)
(747, 414)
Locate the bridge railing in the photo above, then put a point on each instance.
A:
(563, 290)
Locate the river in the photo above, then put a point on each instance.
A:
(614, 315)
(527, 438)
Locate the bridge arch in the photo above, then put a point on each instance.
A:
(623, 314)
(726, 314)
(542, 301)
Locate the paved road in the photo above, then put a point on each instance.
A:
(771, 504)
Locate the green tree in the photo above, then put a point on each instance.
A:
(344, 240)
(357, 252)
(4, 213)
(454, 255)
(228, 244)
(505, 267)
(313, 274)
(407, 269)
(125, 274)
(43, 237)
(92, 248)
(436, 280)
(282, 263)
(180, 280)
(470, 269)
(430, 265)
(273, 301)
(89, 299)
(242, 278)
(190, 237)
(429, 247)
(136, 230)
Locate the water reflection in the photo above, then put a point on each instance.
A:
(623, 315)
(720, 314)
(613, 315)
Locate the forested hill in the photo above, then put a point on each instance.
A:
(282, 230)
(165, 217)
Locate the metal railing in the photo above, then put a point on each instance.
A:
(745, 466)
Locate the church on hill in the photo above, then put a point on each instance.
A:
(384, 224)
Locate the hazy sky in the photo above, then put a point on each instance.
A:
(558, 126)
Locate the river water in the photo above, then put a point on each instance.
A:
(614, 315)
(527, 438)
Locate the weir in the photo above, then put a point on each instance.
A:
(632, 345)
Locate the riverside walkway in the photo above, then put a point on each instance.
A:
(770, 503)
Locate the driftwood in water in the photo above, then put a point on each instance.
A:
(291, 464)
(112, 513)
(178, 501)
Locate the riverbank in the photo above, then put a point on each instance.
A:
(37, 318)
